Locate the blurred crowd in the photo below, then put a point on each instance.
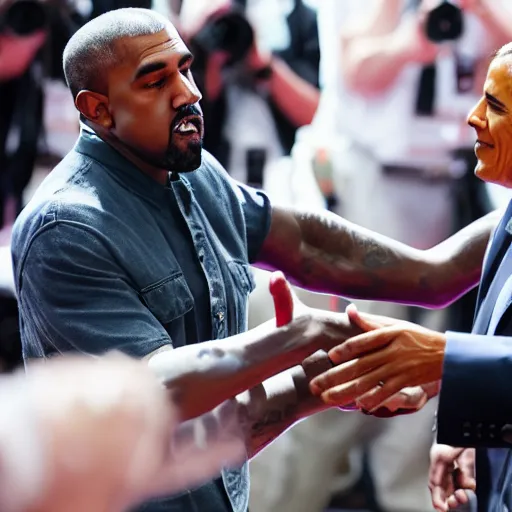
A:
(354, 106)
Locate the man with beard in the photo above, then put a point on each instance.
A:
(139, 241)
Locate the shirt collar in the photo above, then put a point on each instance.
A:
(120, 168)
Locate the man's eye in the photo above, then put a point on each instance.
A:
(157, 84)
(495, 108)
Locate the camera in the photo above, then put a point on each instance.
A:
(445, 22)
(23, 18)
(229, 32)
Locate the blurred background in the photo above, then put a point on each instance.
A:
(354, 106)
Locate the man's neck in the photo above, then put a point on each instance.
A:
(159, 175)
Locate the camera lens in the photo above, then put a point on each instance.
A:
(444, 23)
(25, 17)
(230, 32)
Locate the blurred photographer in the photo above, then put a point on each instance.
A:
(32, 35)
(257, 64)
(23, 31)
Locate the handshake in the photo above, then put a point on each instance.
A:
(391, 367)
(201, 411)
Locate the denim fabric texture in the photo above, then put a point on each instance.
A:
(95, 263)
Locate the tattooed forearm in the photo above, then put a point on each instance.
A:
(345, 259)
(324, 252)
(266, 411)
(373, 254)
(264, 430)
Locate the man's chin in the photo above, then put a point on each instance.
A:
(185, 161)
(190, 168)
(489, 174)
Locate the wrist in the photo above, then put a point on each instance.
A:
(314, 365)
(439, 347)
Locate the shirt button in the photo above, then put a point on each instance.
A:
(220, 316)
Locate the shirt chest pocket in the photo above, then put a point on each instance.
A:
(168, 298)
(242, 284)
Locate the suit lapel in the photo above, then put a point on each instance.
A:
(502, 303)
(499, 238)
(496, 253)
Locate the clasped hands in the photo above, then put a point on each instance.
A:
(393, 367)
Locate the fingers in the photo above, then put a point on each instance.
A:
(283, 298)
(465, 476)
(369, 390)
(365, 324)
(458, 498)
(441, 485)
(380, 393)
(464, 481)
(439, 500)
(362, 344)
(369, 321)
(413, 398)
(443, 475)
(346, 373)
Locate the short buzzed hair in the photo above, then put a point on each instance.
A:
(504, 51)
(91, 50)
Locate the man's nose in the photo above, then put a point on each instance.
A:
(477, 118)
(187, 94)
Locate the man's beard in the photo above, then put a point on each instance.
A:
(179, 160)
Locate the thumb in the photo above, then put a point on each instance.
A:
(283, 298)
(464, 481)
(365, 324)
(465, 475)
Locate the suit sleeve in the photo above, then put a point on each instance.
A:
(474, 403)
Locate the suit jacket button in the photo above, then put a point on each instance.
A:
(506, 433)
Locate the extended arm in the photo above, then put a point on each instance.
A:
(84, 303)
(289, 90)
(201, 377)
(324, 252)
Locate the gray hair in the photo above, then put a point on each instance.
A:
(504, 51)
(91, 50)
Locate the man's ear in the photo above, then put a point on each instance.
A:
(94, 107)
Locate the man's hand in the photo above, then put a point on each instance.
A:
(407, 400)
(378, 364)
(410, 37)
(284, 299)
(17, 53)
(452, 474)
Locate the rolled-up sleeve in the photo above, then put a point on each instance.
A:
(74, 296)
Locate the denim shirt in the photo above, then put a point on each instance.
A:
(95, 264)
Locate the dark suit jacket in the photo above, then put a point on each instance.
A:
(475, 408)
